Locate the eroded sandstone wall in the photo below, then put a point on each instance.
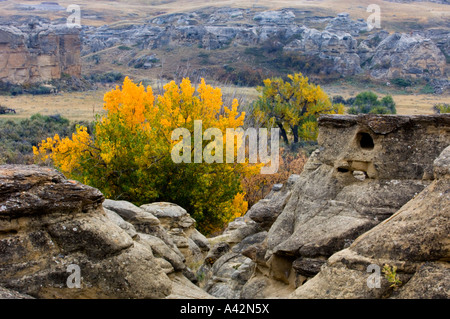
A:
(39, 53)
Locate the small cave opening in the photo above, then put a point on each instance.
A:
(365, 141)
(343, 170)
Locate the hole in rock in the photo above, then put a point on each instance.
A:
(343, 170)
(365, 141)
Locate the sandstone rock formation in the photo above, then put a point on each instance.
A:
(232, 260)
(366, 169)
(168, 230)
(403, 56)
(48, 223)
(415, 240)
(375, 193)
(39, 52)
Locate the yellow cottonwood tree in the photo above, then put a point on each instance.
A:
(293, 106)
(128, 156)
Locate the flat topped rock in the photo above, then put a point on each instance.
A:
(131, 212)
(29, 189)
(383, 124)
(163, 209)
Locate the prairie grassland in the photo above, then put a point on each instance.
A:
(74, 105)
(85, 105)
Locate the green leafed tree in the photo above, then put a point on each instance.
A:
(293, 106)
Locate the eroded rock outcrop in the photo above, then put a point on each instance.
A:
(343, 47)
(39, 52)
(168, 230)
(406, 56)
(367, 167)
(232, 261)
(48, 223)
(415, 240)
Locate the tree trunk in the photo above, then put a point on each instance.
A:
(283, 133)
(295, 133)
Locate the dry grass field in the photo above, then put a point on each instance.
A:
(85, 105)
(395, 16)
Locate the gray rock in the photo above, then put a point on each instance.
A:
(329, 208)
(217, 251)
(161, 250)
(398, 54)
(119, 221)
(132, 213)
(414, 240)
(10, 294)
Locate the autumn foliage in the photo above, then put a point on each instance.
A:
(128, 157)
(293, 106)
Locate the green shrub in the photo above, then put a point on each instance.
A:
(368, 102)
(441, 108)
(427, 89)
(7, 88)
(108, 77)
(401, 82)
(17, 138)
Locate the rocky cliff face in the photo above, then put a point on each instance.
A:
(366, 169)
(343, 46)
(38, 52)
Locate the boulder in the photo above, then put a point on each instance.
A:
(180, 228)
(119, 221)
(39, 52)
(50, 225)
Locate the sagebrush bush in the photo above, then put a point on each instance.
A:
(17, 138)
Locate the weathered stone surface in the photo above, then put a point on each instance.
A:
(39, 52)
(170, 215)
(119, 221)
(334, 51)
(10, 294)
(402, 56)
(133, 214)
(266, 211)
(216, 252)
(415, 240)
(160, 249)
(185, 289)
(246, 236)
(48, 223)
(179, 227)
(344, 23)
(329, 208)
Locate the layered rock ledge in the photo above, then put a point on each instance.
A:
(366, 169)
